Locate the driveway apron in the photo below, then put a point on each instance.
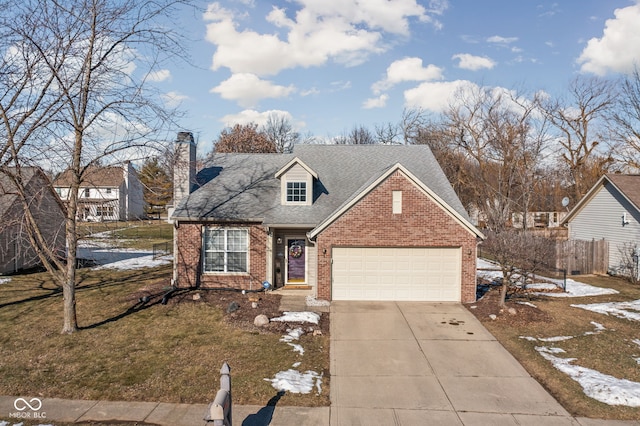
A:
(414, 363)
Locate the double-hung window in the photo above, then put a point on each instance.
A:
(226, 250)
(296, 192)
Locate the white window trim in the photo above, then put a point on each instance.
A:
(204, 250)
(306, 193)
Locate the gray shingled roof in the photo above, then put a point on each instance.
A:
(243, 187)
(629, 185)
(8, 190)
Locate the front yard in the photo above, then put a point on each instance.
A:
(132, 347)
(590, 362)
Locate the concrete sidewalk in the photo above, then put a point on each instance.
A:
(78, 411)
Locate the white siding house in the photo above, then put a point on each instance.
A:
(106, 193)
(610, 211)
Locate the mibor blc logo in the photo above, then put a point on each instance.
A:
(28, 409)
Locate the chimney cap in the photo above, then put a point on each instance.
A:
(185, 137)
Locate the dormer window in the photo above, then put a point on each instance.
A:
(296, 183)
(297, 192)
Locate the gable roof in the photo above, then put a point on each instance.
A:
(244, 187)
(627, 185)
(290, 164)
(94, 176)
(8, 190)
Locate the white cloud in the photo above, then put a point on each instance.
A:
(247, 89)
(436, 96)
(618, 49)
(260, 118)
(474, 63)
(378, 102)
(173, 99)
(502, 40)
(160, 75)
(345, 31)
(407, 69)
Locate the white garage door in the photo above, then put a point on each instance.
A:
(420, 274)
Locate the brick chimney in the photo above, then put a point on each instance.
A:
(184, 169)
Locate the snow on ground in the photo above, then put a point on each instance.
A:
(626, 310)
(312, 301)
(296, 382)
(490, 271)
(4, 281)
(292, 380)
(602, 387)
(311, 317)
(293, 334)
(527, 304)
(121, 258)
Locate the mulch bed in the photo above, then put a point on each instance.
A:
(240, 315)
(513, 313)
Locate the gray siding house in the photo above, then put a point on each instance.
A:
(16, 251)
(610, 211)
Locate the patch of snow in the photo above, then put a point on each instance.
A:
(296, 364)
(491, 272)
(527, 304)
(4, 281)
(636, 341)
(550, 350)
(602, 387)
(493, 316)
(625, 310)
(555, 338)
(311, 317)
(312, 301)
(296, 382)
(637, 360)
(143, 261)
(542, 286)
(529, 338)
(293, 334)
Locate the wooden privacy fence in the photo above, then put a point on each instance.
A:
(582, 257)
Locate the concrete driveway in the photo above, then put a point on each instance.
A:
(414, 363)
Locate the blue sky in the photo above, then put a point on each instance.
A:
(329, 65)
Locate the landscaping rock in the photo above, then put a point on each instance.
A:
(317, 332)
(493, 316)
(233, 306)
(254, 305)
(261, 321)
(196, 297)
(512, 311)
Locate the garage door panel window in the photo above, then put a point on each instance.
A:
(226, 250)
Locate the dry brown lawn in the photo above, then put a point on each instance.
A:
(127, 350)
(610, 352)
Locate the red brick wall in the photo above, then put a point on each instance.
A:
(189, 260)
(422, 223)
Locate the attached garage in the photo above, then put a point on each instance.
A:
(383, 273)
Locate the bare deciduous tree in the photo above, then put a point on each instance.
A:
(627, 120)
(281, 133)
(75, 91)
(585, 150)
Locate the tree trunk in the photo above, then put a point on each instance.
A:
(70, 324)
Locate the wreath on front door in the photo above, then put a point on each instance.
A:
(295, 251)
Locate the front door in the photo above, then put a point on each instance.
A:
(296, 261)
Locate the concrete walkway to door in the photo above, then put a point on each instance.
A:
(411, 363)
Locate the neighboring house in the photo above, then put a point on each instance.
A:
(16, 251)
(349, 222)
(538, 219)
(106, 193)
(610, 211)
